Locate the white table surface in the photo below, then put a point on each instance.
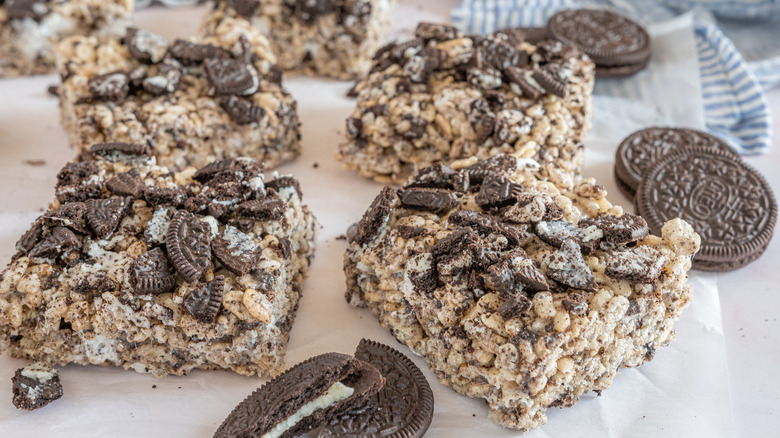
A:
(750, 297)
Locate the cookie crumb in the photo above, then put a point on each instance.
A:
(35, 162)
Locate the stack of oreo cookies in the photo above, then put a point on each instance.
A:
(617, 45)
(677, 172)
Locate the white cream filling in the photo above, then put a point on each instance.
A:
(337, 392)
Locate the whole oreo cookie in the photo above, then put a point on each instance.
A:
(643, 148)
(304, 397)
(726, 201)
(403, 408)
(617, 45)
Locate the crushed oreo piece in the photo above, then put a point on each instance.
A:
(501, 279)
(576, 302)
(409, 232)
(20, 9)
(70, 215)
(243, 111)
(556, 232)
(426, 199)
(619, 229)
(166, 81)
(265, 209)
(522, 79)
(35, 386)
(376, 216)
(550, 82)
(151, 273)
(209, 171)
(484, 128)
(112, 87)
(635, 266)
(30, 238)
(189, 245)
(440, 176)
(285, 181)
(244, 8)
(78, 181)
(104, 215)
(419, 67)
(515, 306)
(457, 251)
(354, 127)
(204, 302)
(59, 240)
(145, 46)
(192, 53)
(435, 31)
(126, 183)
(417, 126)
(486, 224)
(113, 151)
(566, 266)
(174, 196)
(230, 76)
(498, 165)
(94, 286)
(526, 272)
(496, 192)
(237, 251)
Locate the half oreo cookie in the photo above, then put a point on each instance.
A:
(726, 201)
(403, 408)
(303, 398)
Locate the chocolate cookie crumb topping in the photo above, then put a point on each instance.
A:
(189, 245)
(151, 274)
(204, 302)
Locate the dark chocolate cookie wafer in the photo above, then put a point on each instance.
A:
(620, 71)
(643, 148)
(613, 41)
(303, 397)
(726, 201)
(402, 409)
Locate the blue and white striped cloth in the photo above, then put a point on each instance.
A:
(735, 104)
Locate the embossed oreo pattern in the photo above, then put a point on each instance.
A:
(188, 241)
(402, 409)
(726, 201)
(640, 150)
(610, 39)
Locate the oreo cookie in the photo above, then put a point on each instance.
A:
(726, 201)
(618, 46)
(403, 408)
(641, 149)
(304, 397)
(35, 386)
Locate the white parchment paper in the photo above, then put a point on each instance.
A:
(682, 392)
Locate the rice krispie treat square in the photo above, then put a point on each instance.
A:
(444, 96)
(334, 38)
(191, 101)
(136, 266)
(30, 29)
(516, 288)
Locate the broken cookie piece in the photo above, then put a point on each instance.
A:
(35, 386)
(528, 292)
(136, 266)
